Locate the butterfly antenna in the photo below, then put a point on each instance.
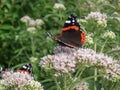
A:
(50, 35)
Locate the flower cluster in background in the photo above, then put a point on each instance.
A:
(99, 17)
(33, 85)
(31, 23)
(59, 6)
(113, 72)
(116, 48)
(82, 86)
(89, 39)
(109, 34)
(33, 59)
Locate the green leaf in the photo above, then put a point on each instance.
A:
(6, 27)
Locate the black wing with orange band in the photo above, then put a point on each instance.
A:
(71, 34)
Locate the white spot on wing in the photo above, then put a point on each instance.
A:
(67, 21)
(73, 20)
(24, 67)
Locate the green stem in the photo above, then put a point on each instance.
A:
(57, 83)
(95, 78)
(79, 72)
(95, 46)
(77, 76)
(103, 46)
(32, 46)
(95, 72)
(85, 79)
(65, 86)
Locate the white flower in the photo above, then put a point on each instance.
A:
(103, 2)
(46, 61)
(89, 39)
(102, 23)
(64, 63)
(68, 60)
(104, 60)
(59, 6)
(2, 82)
(93, 58)
(99, 59)
(32, 23)
(39, 22)
(97, 16)
(6, 73)
(109, 34)
(25, 19)
(33, 59)
(82, 21)
(33, 85)
(116, 48)
(60, 62)
(16, 37)
(31, 29)
(82, 86)
(113, 71)
(20, 81)
(117, 18)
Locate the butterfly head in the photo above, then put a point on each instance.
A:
(72, 20)
(71, 23)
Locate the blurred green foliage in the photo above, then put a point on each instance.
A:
(17, 45)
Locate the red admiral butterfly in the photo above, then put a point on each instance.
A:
(71, 35)
(26, 68)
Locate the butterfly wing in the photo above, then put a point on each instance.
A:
(71, 38)
(71, 35)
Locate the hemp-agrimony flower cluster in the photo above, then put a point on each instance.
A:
(67, 60)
